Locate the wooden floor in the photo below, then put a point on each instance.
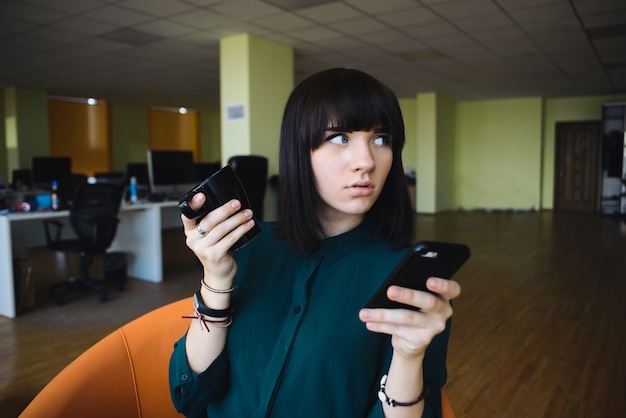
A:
(539, 330)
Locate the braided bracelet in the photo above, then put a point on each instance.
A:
(204, 320)
(382, 395)
(210, 289)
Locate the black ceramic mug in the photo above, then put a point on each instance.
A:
(219, 188)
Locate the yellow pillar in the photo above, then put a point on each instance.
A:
(25, 114)
(256, 77)
(435, 153)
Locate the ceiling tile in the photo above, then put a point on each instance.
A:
(29, 12)
(464, 9)
(164, 28)
(165, 7)
(329, 13)
(282, 22)
(245, 9)
(66, 6)
(84, 25)
(410, 17)
(376, 7)
(202, 19)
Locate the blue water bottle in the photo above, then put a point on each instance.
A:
(133, 189)
(54, 196)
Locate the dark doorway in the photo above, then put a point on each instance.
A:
(577, 165)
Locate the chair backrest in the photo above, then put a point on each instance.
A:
(252, 171)
(123, 375)
(93, 214)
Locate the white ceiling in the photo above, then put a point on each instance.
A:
(166, 52)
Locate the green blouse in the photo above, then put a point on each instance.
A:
(296, 347)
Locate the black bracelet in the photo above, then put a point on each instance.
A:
(200, 307)
(382, 395)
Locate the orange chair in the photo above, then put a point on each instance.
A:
(125, 374)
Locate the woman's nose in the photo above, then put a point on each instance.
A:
(362, 158)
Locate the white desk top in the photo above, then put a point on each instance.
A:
(36, 215)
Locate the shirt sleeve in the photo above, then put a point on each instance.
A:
(191, 392)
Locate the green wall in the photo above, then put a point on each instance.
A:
(129, 134)
(210, 134)
(409, 113)
(25, 127)
(498, 154)
(488, 154)
(434, 152)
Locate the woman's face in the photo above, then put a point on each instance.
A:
(350, 169)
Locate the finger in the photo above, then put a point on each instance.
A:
(228, 232)
(419, 299)
(195, 203)
(413, 325)
(447, 289)
(213, 218)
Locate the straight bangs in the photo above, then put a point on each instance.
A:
(355, 102)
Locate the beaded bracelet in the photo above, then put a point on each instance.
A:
(210, 289)
(382, 395)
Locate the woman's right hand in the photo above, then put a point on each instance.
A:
(223, 227)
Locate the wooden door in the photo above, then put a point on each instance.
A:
(577, 166)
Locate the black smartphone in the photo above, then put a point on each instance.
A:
(426, 259)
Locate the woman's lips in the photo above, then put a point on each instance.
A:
(361, 189)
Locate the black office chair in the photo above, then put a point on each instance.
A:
(252, 171)
(93, 218)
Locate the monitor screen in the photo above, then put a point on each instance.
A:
(139, 171)
(46, 169)
(171, 173)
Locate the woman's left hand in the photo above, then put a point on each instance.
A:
(412, 331)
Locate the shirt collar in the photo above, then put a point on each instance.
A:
(333, 248)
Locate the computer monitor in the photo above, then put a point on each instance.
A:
(204, 170)
(22, 179)
(139, 171)
(45, 170)
(171, 173)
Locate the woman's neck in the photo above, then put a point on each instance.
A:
(338, 225)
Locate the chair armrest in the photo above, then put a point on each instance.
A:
(53, 231)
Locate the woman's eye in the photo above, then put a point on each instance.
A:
(338, 139)
(382, 140)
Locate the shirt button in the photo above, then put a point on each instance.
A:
(184, 377)
(297, 309)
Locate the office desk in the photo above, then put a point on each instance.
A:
(138, 235)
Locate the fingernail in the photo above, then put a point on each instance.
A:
(394, 292)
(435, 282)
(235, 204)
(366, 314)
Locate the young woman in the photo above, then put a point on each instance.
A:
(281, 329)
